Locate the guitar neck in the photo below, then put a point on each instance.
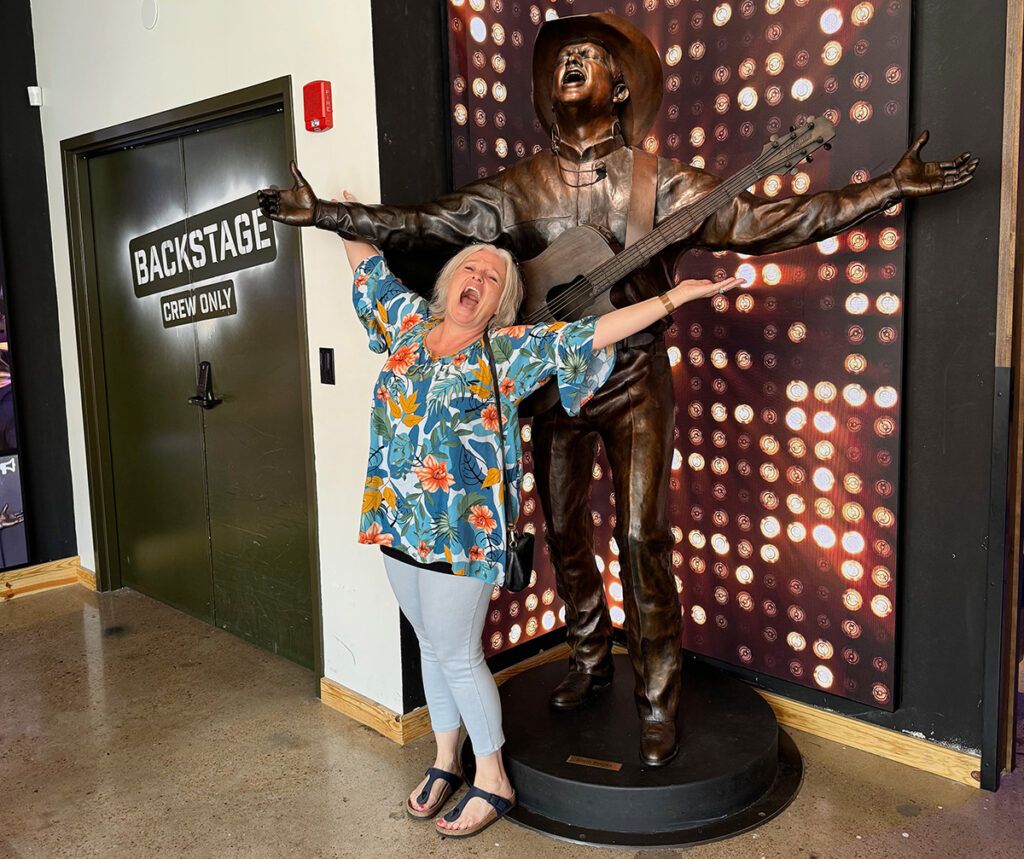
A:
(682, 224)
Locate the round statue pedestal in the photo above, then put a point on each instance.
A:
(578, 774)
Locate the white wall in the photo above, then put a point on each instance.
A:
(98, 66)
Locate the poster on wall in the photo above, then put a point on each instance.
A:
(13, 540)
(785, 473)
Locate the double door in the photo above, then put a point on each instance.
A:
(203, 347)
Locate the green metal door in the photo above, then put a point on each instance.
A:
(211, 502)
(156, 437)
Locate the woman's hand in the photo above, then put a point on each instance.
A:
(691, 290)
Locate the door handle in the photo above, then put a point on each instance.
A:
(204, 397)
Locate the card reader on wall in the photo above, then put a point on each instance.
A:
(326, 365)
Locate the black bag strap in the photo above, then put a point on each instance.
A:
(509, 524)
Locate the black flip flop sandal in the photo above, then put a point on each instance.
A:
(498, 804)
(452, 783)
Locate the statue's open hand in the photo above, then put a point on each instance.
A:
(295, 207)
(916, 178)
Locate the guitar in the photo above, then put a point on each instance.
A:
(557, 288)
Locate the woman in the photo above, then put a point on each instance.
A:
(432, 499)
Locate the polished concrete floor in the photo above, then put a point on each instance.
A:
(128, 729)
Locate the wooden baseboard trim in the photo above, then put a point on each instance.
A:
(44, 577)
(892, 745)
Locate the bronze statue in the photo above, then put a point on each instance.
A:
(597, 84)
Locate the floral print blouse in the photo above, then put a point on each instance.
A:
(433, 479)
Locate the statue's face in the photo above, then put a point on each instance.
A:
(583, 75)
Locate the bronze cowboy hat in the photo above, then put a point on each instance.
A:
(633, 51)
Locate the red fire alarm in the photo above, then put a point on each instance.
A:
(316, 97)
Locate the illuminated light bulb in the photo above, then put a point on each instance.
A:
(853, 512)
(881, 605)
(884, 517)
(747, 69)
(796, 504)
(797, 332)
(769, 444)
(880, 692)
(696, 357)
(744, 303)
(852, 570)
(823, 649)
(801, 183)
(773, 95)
(852, 483)
(743, 359)
(824, 422)
(720, 17)
(617, 615)
(515, 633)
(673, 55)
(743, 413)
(461, 114)
(744, 575)
(857, 303)
(674, 356)
(720, 544)
(796, 419)
(613, 546)
(697, 136)
(697, 50)
(696, 564)
(499, 92)
(851, 628)
(479, 87)
(825, 392)
(801, 89)
(774, 63)
(824, 536)
(823, 677)
(796, 532)
(599, 563)
(532, 601)
(478, 29)
(719, 358)
(797, 391)
(857, 241)
(824, 450)
(769, 500)
(720, 465)
(498, 37)
(746, 602)
(528, 481)
(796, 446)
(721, 596)
(855, 364)
(769, 472)
(677, 460)
(828, 246)
(823, 479)
(721, 103)
(832, 53)
(501, 147)
(855, 395)
(862, 13)
(796, 641)
(772, 186)
(747, 97)
(719, 412)
(697, 539)
(679, 584)
(770, 527)
(888, 239)
(477, 5)
(526, 433)
(548, 620)
(881, 576)
(852, 600)
(853, 542)
(457, 3)
(771, 274)
(746, 272)
(861, 111)
(886, 397)
(550, 15)
(769, 553)
(614, 567)
(773, 6)
(824, 508)
(699, 615)
(615, 590)
(677, 533)
(698, 162)
(831, 21)
(887, 303)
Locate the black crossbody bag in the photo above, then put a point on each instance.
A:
(518, 547)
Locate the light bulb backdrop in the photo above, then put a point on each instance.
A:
(786, 456)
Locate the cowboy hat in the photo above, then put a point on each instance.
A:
(633, 51)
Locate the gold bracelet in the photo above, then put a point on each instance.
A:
(670, 308)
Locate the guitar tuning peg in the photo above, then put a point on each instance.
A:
(792, 128)
(809, 159)
(827, 147)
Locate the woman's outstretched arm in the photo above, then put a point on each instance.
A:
(357, 251)
(619, 324)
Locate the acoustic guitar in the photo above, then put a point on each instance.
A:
(575, 274)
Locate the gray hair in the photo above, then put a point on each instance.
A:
(511, 290)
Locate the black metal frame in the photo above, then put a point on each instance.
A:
(227, 108)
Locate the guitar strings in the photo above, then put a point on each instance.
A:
(654, 242)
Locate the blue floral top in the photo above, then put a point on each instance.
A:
(433, 480)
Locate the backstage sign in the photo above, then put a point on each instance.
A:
(226, 239)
